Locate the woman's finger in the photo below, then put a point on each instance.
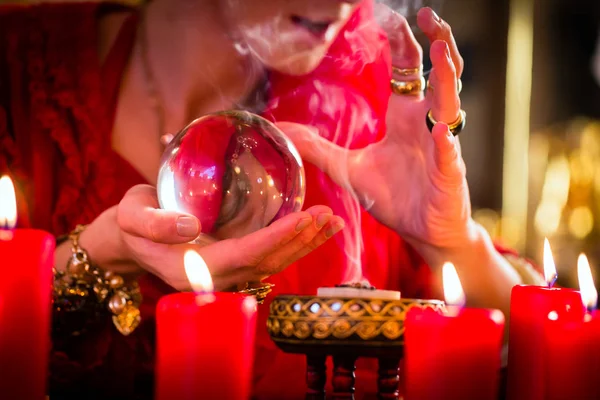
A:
(437, 29)
(445, 99)
(447, 157)
(252, 249)
(335, 225)
(405, 49)
(139, 214)
(304, 242)
(252, 257)
(325, 155)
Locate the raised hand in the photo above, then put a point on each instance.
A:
(413, 180)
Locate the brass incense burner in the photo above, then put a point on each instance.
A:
(344, 328)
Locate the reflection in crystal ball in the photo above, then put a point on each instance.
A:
(235, 171)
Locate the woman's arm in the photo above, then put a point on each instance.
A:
(486, 275)
(414, 180)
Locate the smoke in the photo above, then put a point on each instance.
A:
(330, 101)
(410, 8)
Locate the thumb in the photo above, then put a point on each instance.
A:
(139, 214)
(325, 155)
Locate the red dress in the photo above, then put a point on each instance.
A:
(57, 105)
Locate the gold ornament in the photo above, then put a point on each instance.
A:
(127, 320)
(82, 283)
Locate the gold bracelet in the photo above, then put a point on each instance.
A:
(82, 283)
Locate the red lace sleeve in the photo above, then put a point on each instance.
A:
(55, 120)
(10, 160)
(54, 126)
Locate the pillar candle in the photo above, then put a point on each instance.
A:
(26, 257)
(205, 341)
(529, 310)
(453, 356)
(573, 348)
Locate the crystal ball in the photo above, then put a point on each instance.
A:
(233, 170)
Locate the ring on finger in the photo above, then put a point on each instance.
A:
(407, 88)
(408, 71)
(458, 86)
(455, 127)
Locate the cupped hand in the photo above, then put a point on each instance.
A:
(155, 240)
(413, 180)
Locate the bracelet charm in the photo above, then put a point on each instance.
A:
(85, 288)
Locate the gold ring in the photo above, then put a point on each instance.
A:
(407, 71)
(455, 127)
(458, 86)
(411, 88)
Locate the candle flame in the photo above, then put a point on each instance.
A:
(549, 268)
(197, 272)
(8, 204)
(453, 291)
(589, 294)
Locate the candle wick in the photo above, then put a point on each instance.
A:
(203, 298)
(552, 280)
(590, 309)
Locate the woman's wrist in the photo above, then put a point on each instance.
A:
(84, 292)
(486, 275)
(470, 240)
(102, 241)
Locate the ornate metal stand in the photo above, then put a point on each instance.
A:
(344, 329)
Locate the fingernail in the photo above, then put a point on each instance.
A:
(322, 219)
(333, 229)
(435, 17)
(303, 224)
(188, 227)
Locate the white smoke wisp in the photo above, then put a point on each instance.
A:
(353, 116)
(386, 16)
(353, 240)
(408, 8)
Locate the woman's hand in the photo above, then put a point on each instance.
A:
(413, 180)
(146, 238)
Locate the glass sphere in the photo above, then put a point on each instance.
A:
(235, 171)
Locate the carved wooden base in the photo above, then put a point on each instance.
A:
(388, 379)
(343, 377)
(316, 376)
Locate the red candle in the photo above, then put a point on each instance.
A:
(453, 356)
(573, 348)
(26, 257)
(530, 307)
(205, 341)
